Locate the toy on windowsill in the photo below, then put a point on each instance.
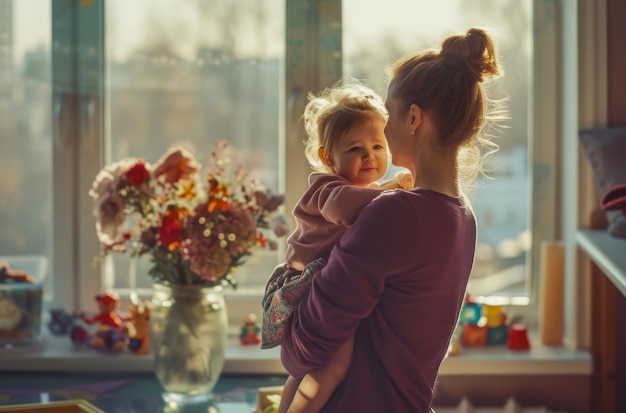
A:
(490, 329)
(483, 325)
(139, 331)
(20, 305)
(518, 338)
(109, 335)
(9, 276)
(250, 331)
(61, 322)
(10, 312)
(113, 332)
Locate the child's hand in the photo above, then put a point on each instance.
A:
(404, 179)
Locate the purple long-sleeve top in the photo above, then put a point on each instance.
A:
(396, 280)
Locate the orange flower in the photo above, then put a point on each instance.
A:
(261, 240)
(187, 190)
(214, 204)
(176, 164)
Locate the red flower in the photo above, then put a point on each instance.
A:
(170, 231)
(137, 174)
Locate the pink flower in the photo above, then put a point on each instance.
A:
(281, 226)
(215, 240)
(268, 201)
(214, 265)
(109, 177)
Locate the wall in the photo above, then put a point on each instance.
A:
(616, 44)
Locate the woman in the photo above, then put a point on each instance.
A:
(397, 278)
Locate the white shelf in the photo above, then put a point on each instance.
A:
(57, 354)
(608, 252)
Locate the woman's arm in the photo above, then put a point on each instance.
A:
(318, 385)
(346, 290)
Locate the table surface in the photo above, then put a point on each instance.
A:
(128, 393)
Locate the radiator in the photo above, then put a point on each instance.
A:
(511, 406)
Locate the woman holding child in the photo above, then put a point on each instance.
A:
(397, 278)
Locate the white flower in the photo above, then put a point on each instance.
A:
(110, 218)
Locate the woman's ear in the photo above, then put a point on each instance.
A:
(415, 117)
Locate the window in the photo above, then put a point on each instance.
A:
(142, 75)
(195, 72)
(26, 143)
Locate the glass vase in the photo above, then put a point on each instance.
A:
(188, 327)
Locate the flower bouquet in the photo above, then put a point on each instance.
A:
(197, 227)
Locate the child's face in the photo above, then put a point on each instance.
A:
(361, 155)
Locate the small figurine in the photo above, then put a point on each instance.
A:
(250, 331)
(61, 322)
(109, 335)
(139, 331)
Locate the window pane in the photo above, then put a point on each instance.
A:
(501, 204)
(195, 72)
(25, 130)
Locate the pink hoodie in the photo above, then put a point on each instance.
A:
(322, 215)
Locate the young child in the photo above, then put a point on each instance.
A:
(347, 148)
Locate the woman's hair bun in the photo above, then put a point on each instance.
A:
(473, 53)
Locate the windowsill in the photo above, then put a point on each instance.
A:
(58, 354)
(539, 360)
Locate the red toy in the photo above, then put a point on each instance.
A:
(109, 335)
(250, 331)
(518, 338)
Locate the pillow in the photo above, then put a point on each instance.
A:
(605, 148)
(615, 198)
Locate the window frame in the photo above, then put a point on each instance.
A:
(77, 62)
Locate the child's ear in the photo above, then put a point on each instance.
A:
(325, 156)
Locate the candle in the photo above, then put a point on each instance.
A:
(551, 293)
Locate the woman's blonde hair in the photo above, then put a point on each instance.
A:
(329, 115)
(448, 84)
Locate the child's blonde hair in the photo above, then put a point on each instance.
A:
(332, 113)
